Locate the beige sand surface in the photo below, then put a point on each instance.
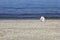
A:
(29, 29)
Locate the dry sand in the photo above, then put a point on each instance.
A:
(30, 29)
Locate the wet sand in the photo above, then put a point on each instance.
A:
(30, 29)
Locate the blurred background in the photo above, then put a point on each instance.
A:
(29, 8)
(29, 29)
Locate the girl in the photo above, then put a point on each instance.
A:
(42, 18)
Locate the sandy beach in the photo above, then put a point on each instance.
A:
(29, 29)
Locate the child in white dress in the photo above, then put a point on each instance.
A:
(42, 18)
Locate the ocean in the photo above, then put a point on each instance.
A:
(29, 8)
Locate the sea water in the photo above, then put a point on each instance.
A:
(20, 8)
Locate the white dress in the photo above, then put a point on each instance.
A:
(42, 18)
